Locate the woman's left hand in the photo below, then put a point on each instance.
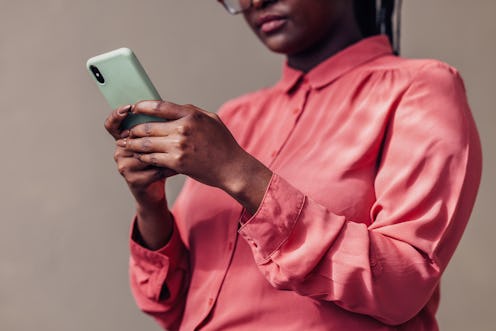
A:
(196, 143)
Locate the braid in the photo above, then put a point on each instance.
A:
(379, 17)
(366, 15)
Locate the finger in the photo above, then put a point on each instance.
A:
(152, 144)
(158, 129)
(121, 153)
(162, 160)
(114, 120)
(146, 177)
(163, 109)
(166, 172)
(130, 165)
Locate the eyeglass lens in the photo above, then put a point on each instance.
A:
(237, 6)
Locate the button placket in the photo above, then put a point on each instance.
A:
(300, 104)
(295, 108)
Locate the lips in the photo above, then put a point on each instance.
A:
(270, 23)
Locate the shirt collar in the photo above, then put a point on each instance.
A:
(338, 64)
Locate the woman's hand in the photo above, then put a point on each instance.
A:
(196, 143)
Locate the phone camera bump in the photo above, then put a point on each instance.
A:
(98, 75)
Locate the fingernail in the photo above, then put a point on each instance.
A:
(125, 111)
(125, 134)
(121, 143)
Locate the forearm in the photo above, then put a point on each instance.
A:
(154, 222)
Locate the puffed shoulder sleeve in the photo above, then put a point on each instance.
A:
(425, 188)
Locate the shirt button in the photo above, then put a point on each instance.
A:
(230, 246)
(296, 111)
(274, 153)
(210, 301)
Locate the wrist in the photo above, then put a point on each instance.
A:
(152, 212)
(151, 203)
(247, 182)
(154, 225)
(150, 196)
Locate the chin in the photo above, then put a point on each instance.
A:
(282, 45)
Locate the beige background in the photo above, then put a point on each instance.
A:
(65, 211)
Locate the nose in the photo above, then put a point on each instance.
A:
(261, 3)
(257, 3)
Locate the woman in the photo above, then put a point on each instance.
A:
(330, 201)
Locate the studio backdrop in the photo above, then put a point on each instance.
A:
(65, 211)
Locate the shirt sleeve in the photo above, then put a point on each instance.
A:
(159, 279)
(425, 189)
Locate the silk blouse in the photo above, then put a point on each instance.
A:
(376, 163)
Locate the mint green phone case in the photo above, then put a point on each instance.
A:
(123, 81)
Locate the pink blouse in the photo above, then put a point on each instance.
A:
(376, 163)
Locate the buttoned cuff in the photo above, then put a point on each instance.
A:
(151, 268)
(270, 227)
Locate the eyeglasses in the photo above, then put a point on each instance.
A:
(236, 6)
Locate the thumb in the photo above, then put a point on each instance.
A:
(162, 109)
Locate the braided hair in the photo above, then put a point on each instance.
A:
(380, 17)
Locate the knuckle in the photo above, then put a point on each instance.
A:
(114, 115)
(176, 162)
(140, 157)
(154, 159)
(109, 124)
(182, 144)
(184, 129)
(198, 116)
(193, 119)
(122, 169)
(180, 161)
(106, 124)
(159, 106)
(190, 122)
(148, 129)
(134, 133)
(146, 144)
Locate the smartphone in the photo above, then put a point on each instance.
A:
(123, 81)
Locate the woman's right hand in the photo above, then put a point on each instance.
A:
(146, 183)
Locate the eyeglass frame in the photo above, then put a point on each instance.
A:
(232, 11)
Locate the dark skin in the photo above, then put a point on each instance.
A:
(196, 143)
(310, 32)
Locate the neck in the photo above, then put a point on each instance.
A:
(336, 41)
